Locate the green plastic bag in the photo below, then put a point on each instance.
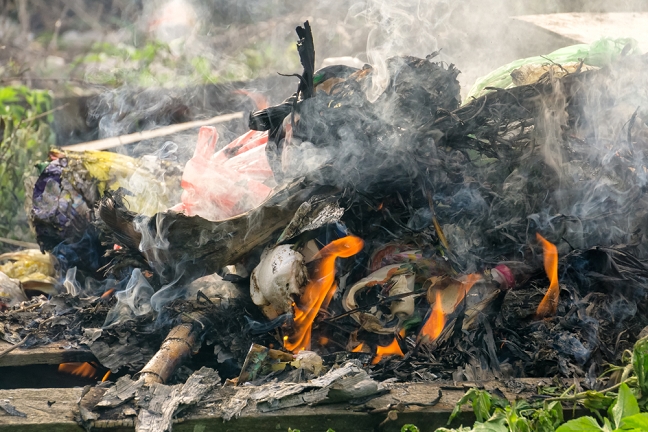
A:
(599, 53)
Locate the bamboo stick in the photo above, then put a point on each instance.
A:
(177, 346)
(112, 142)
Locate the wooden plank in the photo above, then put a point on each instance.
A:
(54, 353)
(45, 409)
(340, 417)
(590, 27)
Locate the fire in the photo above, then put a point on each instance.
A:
(358, 348)
(549, 304)
(391, 349)
(436, 322)
(85, 370)
(319, 290)
(108, 293)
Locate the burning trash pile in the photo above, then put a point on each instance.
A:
(371, 226)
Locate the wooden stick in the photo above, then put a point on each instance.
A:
(112, 142)
(177, 346)
(13, 347)
(13, 242)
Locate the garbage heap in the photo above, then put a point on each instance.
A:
(372, 225)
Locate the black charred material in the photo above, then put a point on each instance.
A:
(306, 50)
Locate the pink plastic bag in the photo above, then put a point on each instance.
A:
(223, 184)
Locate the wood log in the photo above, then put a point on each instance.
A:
(177, 346)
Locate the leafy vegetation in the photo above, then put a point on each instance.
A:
(615, 409)
(157, 64)
(622, 407)
(26, 138)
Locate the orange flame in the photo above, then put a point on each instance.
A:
(436, 322)
(358, 348)
(391, 349)
(549, 304)
(320, 290)
(106, 376)
(85, 370)
(108, 293)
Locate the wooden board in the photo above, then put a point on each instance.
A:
(590, 27)
(44, 416)
(54, 353)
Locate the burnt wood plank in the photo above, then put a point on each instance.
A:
(408, 399)
(47, 410)
(53, 353)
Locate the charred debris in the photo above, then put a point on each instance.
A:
(410, 237)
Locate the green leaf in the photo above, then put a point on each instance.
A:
(547, 420)
(640, 364)
(409, 428)
(595, 401)
(482, 405)
(497, 423)
(582, 424)
(469, 396)
(635, 422)
(556, 410)
(607, 426)
(624, 406)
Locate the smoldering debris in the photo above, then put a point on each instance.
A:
(410, 236)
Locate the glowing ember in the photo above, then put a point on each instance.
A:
(319, 290)
(549, 304)
(391, 349)
(85, 370)
(436, 322)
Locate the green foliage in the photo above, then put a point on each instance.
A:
(619, 402)
(26, 139)
(640, 364)
(155, 63)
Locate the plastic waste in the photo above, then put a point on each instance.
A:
(599, 53)
(279, 278)
(11, 292)
(221, 184)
